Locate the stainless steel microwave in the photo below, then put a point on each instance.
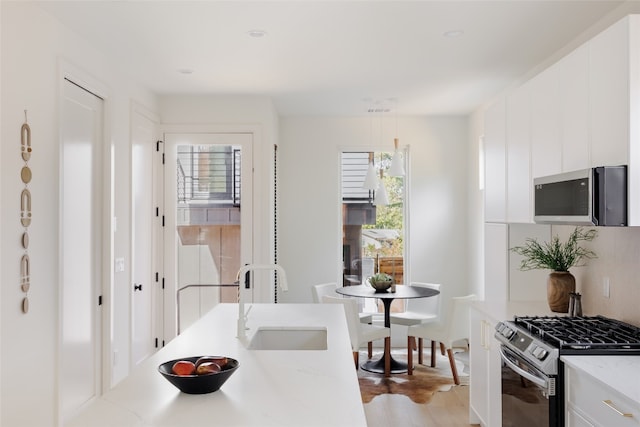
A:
(595, 196)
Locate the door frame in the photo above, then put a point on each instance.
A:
(258, 252)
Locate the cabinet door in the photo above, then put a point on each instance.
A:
(518, 155)
(546, 151)
(495, 163)
(478, 362)
(573, 87)
(574, 419)
(609, 95)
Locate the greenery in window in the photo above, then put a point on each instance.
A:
(389, 217)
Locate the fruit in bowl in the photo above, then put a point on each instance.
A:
(183, 367)
(381, 282)
(198, 374)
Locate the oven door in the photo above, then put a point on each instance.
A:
(528, 396)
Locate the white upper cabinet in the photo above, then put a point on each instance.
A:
(519, 184)
(546, 150)
(495, 207)
(609, 95)
(581, 112)
(573, 90)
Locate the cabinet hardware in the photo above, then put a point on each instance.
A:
(610, 404)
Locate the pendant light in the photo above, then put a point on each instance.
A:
(371, 179)
(381, 198)
(397, 164)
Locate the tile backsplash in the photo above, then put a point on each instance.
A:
(618, 251)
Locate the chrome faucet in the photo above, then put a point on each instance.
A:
(242, 315)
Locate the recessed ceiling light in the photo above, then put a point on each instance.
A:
(453, 33)
(185, 71)
(257, 33)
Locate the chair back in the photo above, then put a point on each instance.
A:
(351, 312)
(459, 318)
(429, 305)
(318, 291)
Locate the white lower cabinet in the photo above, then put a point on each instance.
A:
(485, 390)
(589, 402)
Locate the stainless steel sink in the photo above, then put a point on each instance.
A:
(289, 338)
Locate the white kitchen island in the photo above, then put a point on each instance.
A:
(270, 388)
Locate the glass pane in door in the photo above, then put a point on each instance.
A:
(208, 201)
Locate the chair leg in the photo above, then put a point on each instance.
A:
(356, 358)
(387, 360)
(370, 349)
(420, 355)
(454, 370)
(433, 354)
(410, 355)
(442, 349)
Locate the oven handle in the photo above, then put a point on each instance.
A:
(534, 379)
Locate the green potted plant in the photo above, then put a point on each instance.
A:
(381, 282)
(559, 257)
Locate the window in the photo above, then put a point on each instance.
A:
(373, 233)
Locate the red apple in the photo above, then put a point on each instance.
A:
(183, 367)
(218, 360)
(207, 368)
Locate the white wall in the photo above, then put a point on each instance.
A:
(310, 206)
(33, 45)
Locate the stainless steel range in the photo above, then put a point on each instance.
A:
(532, 373)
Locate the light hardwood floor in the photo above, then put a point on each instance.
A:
(446, 409)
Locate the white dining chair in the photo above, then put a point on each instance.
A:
(419, 311)
(455, 327)
(359, 332)
(318, 291)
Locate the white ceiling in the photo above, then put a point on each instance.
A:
(333, 57)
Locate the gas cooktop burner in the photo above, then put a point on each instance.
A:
(583, 333)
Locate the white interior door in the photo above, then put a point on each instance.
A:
(145, 291)
(208, 221)
(81, 252)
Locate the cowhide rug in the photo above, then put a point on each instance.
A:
(419, 387)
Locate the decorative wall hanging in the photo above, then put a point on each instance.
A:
(25, 212)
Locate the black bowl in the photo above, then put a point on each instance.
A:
(198, 384)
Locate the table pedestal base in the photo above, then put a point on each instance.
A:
(377, 366)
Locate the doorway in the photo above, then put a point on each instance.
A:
(81, 219)
(208, 223)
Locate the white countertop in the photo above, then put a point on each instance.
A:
(270, 388)
(621, 373)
